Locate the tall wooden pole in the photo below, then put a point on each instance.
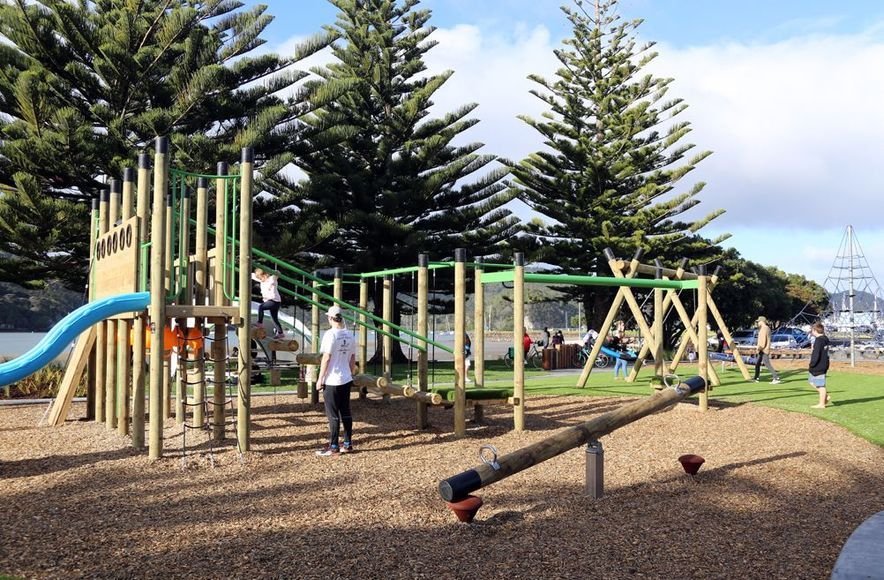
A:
(158, 296)
(387, 314)
(184, 296)
(101, 327)
(138, 346)
(219, 344)
(518, 349)
(110, 380)
(168, 284)
(124, 327)
(460, 396)
(244, 364)
(703, 333)
(201, 257)
(478, 326)
(363, 330)
(422, 357)
(90, 374)
(658, 321)
(313, 370)
(338, 283)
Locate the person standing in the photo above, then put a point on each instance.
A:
(762, 351)
(619, 360)
(819, 364)
(467, 353)
(526, 343)
(336, 371)
(547, 337)
(589, 338)
(271, 299)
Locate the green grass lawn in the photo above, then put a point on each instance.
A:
(858, 399)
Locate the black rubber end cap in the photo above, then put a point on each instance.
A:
(460, 255)
(202, 183)
(423, 260)
(104, 196)
(458, 487)
(116, 186)
(162, 145)
(222, 168)
(248, 155)
(609, 254)
(339, 272)
(168, 200)
(638, 254)
(94, 204)
(519, 259)
(717, 271)
(144, 161)
(129, 174)
(696, 384)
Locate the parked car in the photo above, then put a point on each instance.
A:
(780, 340)
(745, 337)
(801, 338)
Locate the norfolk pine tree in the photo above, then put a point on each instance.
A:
(403, 182)
(614, 159)
(86, 86)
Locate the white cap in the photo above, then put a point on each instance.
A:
(334, 311)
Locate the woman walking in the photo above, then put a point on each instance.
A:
(335, 379)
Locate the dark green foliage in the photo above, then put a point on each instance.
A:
(86, 86)
(611, 174)
(401, 182)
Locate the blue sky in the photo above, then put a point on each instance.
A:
(785, 93)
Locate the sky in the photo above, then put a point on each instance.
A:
(785, 94)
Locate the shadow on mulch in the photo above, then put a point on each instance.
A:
(53, 463)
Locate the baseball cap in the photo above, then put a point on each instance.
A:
(334, 311)
(760, 320)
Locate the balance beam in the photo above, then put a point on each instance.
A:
(457, 487)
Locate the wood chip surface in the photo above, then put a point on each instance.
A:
(777, 498)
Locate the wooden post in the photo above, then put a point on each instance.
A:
(90, 373)
(219, 344)
(158, 296)
(124, 327)
(184, 296)
(167, 287)
(387, 314)
(478, 326)
(201, 256)
(101, 327)
(658, 321)
(702, 355)
(110, 376)
(460, 396)
(313, 370)
(457, 487)
(363, 330)
(138, 343)
(338, 283)
(518, 333)
(422, 357)
(244, 363)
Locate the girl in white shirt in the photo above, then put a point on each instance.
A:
(271, 298)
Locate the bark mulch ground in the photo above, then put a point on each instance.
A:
(777, 498)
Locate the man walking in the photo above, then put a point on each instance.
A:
(762, 352)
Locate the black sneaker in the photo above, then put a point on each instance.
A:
(347, 448)
(328, 451)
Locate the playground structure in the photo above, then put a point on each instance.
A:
(696, 326)
(159, 287)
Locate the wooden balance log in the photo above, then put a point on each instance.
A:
(283, 345)
(458, 487)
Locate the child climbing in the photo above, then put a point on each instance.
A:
(270, 297)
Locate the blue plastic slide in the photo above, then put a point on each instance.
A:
(627, 356)
(67, 330)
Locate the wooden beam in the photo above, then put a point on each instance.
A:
(72, 375)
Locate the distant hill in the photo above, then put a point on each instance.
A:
(24, 310)
(862, 301)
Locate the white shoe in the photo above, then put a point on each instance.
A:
(776, 382)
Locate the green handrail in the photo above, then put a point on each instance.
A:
(576, 280)
(403, 270)
(334, 300)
